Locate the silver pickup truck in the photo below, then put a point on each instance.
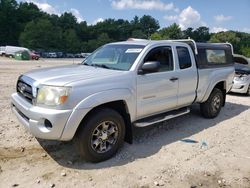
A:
(121, 85)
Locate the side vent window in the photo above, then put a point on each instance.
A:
(183, 57)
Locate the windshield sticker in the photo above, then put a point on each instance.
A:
(134, 50)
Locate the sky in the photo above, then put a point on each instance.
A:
(218, 15)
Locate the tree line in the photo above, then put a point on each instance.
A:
(24, 24)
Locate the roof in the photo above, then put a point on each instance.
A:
(144, 42)
(212, 45)
(194, 45)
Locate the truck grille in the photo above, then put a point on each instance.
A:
(25, 90)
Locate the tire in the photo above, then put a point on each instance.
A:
(101, 135)
(211, 108)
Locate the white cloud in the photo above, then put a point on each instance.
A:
(77, 14)
(141, 4)
(222, 18)
(171, 18)
(97, 21)
(51, 10)
(44, 7)
(188, 17)
(218, 29)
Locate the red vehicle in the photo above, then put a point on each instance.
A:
(34, 55)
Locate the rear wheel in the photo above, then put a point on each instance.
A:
(211, 108)
(100, 137)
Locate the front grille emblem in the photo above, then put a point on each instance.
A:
(22, 88)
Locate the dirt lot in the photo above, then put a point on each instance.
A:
(188, 151)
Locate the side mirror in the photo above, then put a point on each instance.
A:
(149, 67)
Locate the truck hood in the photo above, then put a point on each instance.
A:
(64, 75)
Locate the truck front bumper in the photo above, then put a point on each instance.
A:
(42, 122)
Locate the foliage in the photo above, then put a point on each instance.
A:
(156, 36)
(171, 32)
(201, 34)
(148, 25)
(41, 34)
(228, 36)
(9, 26)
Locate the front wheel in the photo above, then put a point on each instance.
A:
(102, 134)
(211, 108)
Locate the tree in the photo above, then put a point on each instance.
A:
(82, 31)
(228, 36)
(201, 34)
(41, 34)
(171, 32)
(93, 44)
(156, 36)
(135, 23)
(245, 51)
(28, 12)
(67, 21)
(188, 33)
(138, 34)
(9, 25)
(71, 42)
(148, 25)
(244, 43)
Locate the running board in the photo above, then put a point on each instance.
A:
(161, 117)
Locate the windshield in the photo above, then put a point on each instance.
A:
(114, 56)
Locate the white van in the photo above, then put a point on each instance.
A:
(2, 50)
(11, 50)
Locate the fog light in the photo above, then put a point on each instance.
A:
(47, 124)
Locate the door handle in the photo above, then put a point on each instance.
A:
(173, 79)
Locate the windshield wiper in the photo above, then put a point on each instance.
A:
(100, 65)
(84, 64)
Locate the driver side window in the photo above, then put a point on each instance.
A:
(162, 55)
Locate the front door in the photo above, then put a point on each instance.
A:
(157, 91)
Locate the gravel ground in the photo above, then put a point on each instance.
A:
(188, 151)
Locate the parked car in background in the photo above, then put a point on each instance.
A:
(11, 50)
(69, 55)
(26, 55)
(2, 50)
(44, 54)
(84, 55)
(34, 55)
(60, 54)
(79, 55)
(52, 55)
(22, 55)
(242, 75)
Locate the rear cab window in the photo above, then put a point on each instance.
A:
(216, 56)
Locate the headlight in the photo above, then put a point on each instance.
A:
(52, 95)
(242, 78)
